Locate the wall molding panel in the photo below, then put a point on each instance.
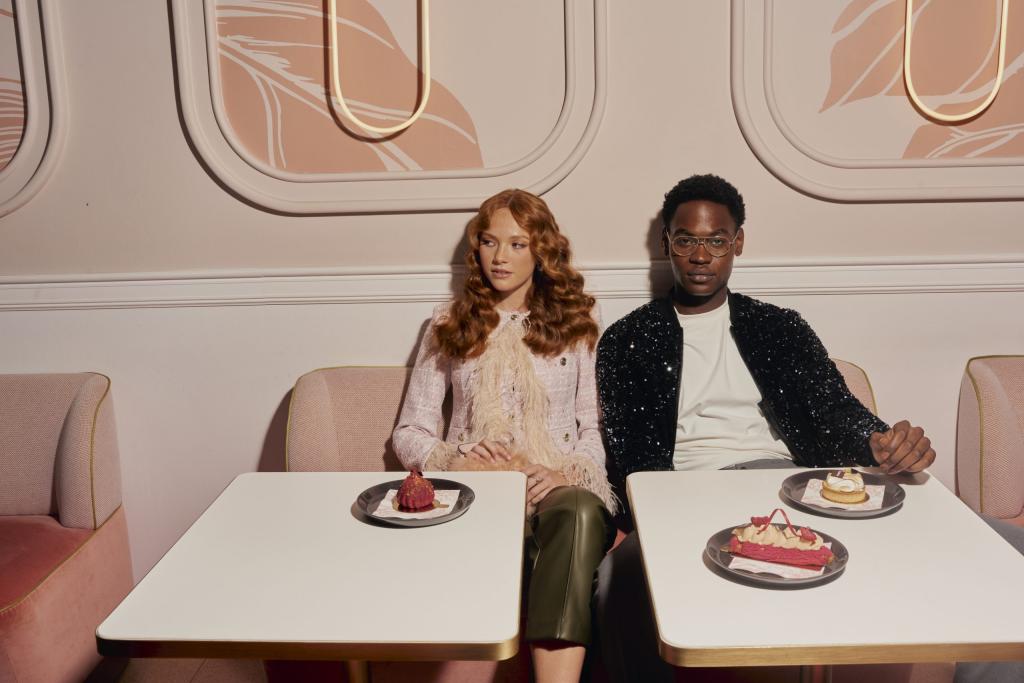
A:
(779, 145)
(380, 286)
(539, 170)
(42, 67)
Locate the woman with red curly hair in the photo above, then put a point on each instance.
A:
(517, 348)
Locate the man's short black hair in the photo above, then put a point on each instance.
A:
(706, 187)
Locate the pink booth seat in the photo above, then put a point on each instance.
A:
(63, 537)
(990, 437)
(341, 419)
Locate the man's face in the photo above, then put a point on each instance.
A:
(700, 277)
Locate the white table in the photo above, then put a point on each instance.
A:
(928, 583)
(278, 567)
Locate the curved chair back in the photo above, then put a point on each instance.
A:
(64, 557)
(58, 448)
(341, 419)
(990, 437)
(857, 382)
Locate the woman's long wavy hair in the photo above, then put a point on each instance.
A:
(559, 309)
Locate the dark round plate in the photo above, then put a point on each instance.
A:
(369, 499)
(793, 491)
(721, 558)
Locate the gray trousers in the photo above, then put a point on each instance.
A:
(629, 637)
(995, 672)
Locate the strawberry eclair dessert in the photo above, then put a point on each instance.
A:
(762, 540)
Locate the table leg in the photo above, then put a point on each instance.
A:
(358, 671)
(816, 673)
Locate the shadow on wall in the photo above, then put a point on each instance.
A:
(659, 279)
(272, 455)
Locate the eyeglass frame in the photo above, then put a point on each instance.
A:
(700, 242)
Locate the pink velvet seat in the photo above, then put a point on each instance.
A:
(63, 539)
(990, 437)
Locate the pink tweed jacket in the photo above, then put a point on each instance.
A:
(572, 419)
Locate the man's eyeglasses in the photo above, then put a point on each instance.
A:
(684, 245)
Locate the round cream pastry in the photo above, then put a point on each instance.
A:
(844, 487)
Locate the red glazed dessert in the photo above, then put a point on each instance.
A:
(762, 540)
(416, 494)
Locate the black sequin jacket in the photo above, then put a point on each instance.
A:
(804, 397)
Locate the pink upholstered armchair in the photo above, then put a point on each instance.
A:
(990, 437)
(63, 539)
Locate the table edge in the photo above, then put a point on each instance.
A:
(201, 649)
(877, 653)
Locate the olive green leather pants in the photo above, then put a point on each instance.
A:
(572, 530)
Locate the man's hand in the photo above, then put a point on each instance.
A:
(902, 449)
(540, 481)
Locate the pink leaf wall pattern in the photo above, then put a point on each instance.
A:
(954, 65)
(12, 90)
(273, 88)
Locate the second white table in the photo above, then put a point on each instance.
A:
(929, 583)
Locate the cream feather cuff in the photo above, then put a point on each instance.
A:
(581, 471)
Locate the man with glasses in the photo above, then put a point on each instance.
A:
(706, 378)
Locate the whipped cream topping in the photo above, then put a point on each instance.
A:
(780, 537)
(847, 482)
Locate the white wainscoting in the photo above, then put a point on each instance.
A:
(202, 365)
(405, 285)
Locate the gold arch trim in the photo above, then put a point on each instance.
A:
(908, 32)
(334, 56)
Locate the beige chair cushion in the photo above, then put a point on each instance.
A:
(990, 436)
(58, 448)
(857, 382)
(341, 419)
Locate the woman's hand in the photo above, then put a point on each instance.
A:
(489, 451)
(540, 481)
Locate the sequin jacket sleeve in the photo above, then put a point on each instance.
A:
(638, 384)
(417, 435)
(804, 396)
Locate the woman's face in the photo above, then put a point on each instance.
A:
(506, 259)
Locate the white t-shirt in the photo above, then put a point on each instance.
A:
(719, 422)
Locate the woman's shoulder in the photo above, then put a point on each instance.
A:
(441, 311)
